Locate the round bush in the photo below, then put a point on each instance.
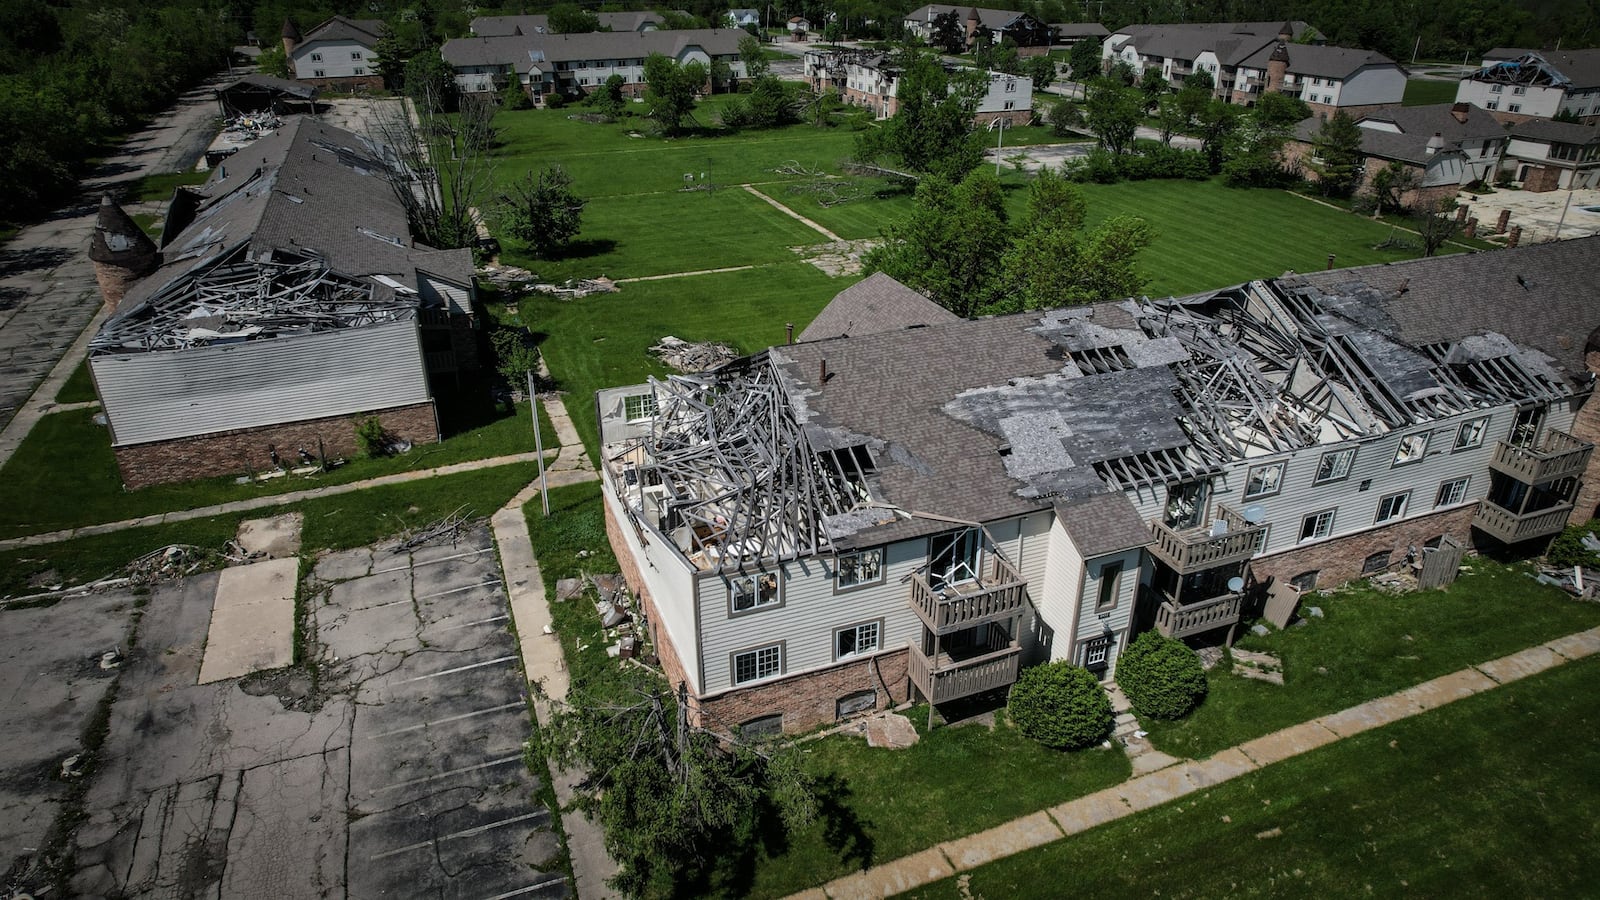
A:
(1161, 676)
(1061, 706)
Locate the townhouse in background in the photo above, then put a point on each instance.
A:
(906, 505)
(574, 64)
(338, 55)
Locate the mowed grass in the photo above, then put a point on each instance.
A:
(1369, 644)
(603, 340)
(1496, 795)
(1427, 91)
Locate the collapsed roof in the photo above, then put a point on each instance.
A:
(860, 440)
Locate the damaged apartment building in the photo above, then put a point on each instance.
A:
(907, 505)
(286, 303)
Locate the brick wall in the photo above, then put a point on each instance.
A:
(350, 84)
(1013, 117)
(114, 282)
(1340, 560)
(247, 449)
(809, 701)
(1542, 179)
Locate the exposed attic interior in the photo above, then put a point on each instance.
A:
(729, 475)
(240, 299)
(1529, 70)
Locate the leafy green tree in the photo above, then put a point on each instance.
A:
(1256, 144)
(608, 96)
(947, 33)
(951, 246)
(514, 354)
(514, 97)
(1193, 97)
(1436, 222)
(1065, 117)
(1083, 60)
(1390, 185)
(1153, 86)
(1214, 125)
(431, 81)
(670, 90)
(1113, 113)
(721, 74)
(569, 18)
(932, 131)
(541, 210)
(770, 104)
(1162, 677)
(1042, 70)
(273, 61)
(392, 52)
(1337, 155)
(1055, 261)
(754, 57)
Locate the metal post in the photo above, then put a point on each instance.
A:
(538, 446)
(1565, 206)
(998, 143)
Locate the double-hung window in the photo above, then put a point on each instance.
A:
(857, 639)
(754, 665)
(1264, 481)
(1453, 491)
(1316, 526)
(1335, 465)
(750, 592)
(857, 569)
(1392, 506)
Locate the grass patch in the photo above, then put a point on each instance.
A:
(1371, 644)
(150, 224)
(877, 804)
(1427, 91)
(64, 474)
(160, 185)
(79, 386)
(1432, 806)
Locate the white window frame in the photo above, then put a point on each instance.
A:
(317, 73)
(316, 57)
(639, 408)
(1271, 481)
(1348, 454)
(1471, 433)
(1404, 456)
(1497, 88)
(862, 568)
(866, 638)
(1319, 525)
(1392, 506)
(764, 663)
(355, 54)
(360, 70)
(755, 591)
(1452, 492)
(1514, 107)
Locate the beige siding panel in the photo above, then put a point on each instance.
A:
(1057, 601)
(434, 289)
(183, 393)
(670, 583)
(1092, 622)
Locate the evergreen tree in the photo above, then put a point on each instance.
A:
(1337, 155)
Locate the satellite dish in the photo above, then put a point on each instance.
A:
(1255, 513)
(1235, 584)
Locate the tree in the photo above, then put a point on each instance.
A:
(1436, 222)
(1336, 155)
(932, 131)
(392, 52)
(608, 96)
(671, 798)
(273, 61)
(1162, 677)
(721, 75)
(1065, 117)
(514, 354)
(1153, 86)
(1113, 113)
(1083, 61)
(947, 33)
(1042, 70)
(1193, 97)
(444, 168)
(432, 81)
(1056, 262)
(1256, 144)
(1391, 184)
(1169, 117)
(1061, 706)
(541, 210)
(1214, 125)
(670, 90)
(951, 246)
(754, 57)
(569, 18)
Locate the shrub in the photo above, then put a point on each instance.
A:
(1567, 549)
(1061, 706)
(371, 440)
(1161, 676)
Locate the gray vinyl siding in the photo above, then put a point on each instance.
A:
(1032, 556)
(183, 393)
(435, 289)
(670, 583)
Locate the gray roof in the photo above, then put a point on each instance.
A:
(1581, 67)
(1417, 126)
(339, 28)
(1557, 132)
(1541, 296)
(992, 19)
(269, 83)
(1232, 42)
(519, 50)
(875, 304)
(1080, 30)
(1321, 60)
(1102, 524)
(493, 26)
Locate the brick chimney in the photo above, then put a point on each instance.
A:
(1277, 67)
(1586, 427)
(291, 37)
(120, 251)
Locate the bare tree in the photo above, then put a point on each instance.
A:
(441, 169)
(1436, 222)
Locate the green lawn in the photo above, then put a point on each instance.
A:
(64, 474)
(1426, 91)
(1497, 795)
(1370, 644)
(159, 186)
(79, 386)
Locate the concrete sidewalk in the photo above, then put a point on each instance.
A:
(1137, 794)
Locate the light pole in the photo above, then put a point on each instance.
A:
(999, 142)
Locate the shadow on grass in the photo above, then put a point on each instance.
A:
(583, 248)
(843, 831)
(470, 405)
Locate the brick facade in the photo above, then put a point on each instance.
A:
(1542, 179)
(114, 281)
(1012, 117)
(350, 84)
(248, 449)
(1341, 559)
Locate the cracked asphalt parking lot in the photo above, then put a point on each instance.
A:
(400, 772)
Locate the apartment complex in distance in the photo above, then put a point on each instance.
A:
(574, 64)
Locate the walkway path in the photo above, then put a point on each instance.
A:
(269, 500)
(794, 215)
(542, 658)
(1155, 788)
(43, 401)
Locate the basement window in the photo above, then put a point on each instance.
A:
(1375, 563)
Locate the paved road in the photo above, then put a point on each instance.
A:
(47, 287)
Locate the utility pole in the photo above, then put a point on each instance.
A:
(538, 446)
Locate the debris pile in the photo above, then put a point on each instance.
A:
(250, 126)
(831, 192)
(573, 288)
(169, 562)
(507, 278)
(685, 356)
(1579, 581)
(793, 167)
(450, 527)
(517, 280)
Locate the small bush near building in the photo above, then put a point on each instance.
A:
(1161, 676)
(1568, 548)
(1061, 706)
(371, 440)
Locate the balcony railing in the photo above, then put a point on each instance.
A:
(1000, 595)
(1510, 528)
(1197, 549)
(946, 678)
(1176, 621)
(1555, 455)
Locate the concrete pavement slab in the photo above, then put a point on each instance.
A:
(343, 565)
(1155, 789)
(275, 537)
(285, 840)
(1014, 836)
(1448, 688)
(252, 620)
(1086, 812)
(891, 878)
(1291, 741)
(1577, 646)
(1228, 764)
(1521, 664)
(1369, 715)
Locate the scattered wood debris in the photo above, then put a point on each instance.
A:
(793, 167)
(167, 563)
(573, 288)
(437, 531)
(831, 192)
(693, 357)
(516, 280)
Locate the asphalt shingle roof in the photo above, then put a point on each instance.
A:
(1104, 523)
(992, 19)
(875, 304)
(1417, 126)
(339, 28)
(1581, 67)
(519, 50)
(1321, 60)
(1557, 132)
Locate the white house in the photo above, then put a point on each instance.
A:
(1446, 146)
(901, 505)
(867, 79)
(1327, 78)
(1547, 156)
(1517, 84)
(743, 18)
(574, 64)
(337, 55)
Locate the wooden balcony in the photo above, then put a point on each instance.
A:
(1178, 621)
(1555, 455)
(1000, 595)
(1195, 549)
(1509, 527)
(950, 677)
